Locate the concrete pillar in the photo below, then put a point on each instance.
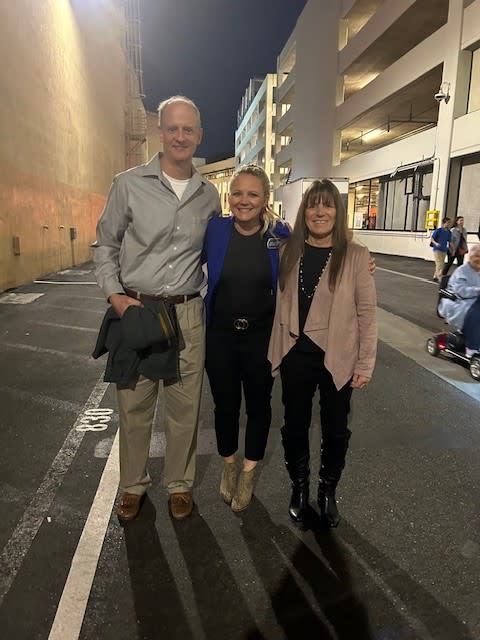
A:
(452, 71)
(315, 89)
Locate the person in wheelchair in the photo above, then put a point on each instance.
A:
(461, 306)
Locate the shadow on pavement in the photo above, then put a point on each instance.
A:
(221, 605)
(328, 609)
(337, 583)
(158, 607)
(427, 617)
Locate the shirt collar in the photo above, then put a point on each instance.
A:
(153, 169)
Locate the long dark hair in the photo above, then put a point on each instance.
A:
(318, 191)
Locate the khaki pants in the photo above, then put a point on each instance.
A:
(439, 257)
(182, 404)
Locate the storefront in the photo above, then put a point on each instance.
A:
(395, 202)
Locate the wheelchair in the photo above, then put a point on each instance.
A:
(451, 344)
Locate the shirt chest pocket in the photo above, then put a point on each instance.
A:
(190, 228)
(197, 228)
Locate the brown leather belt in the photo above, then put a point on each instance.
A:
(172, 299)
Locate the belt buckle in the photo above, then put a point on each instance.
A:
(241, 324)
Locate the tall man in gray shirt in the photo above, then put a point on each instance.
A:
(149, 243)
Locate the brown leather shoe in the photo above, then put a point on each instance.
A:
(181, 505)
(129, 506)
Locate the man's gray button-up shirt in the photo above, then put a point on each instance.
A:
(149, 240)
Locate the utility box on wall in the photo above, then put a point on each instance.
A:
(292, 194)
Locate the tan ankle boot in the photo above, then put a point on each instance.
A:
(244, 491)
(228, 482)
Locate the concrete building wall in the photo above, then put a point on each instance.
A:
(388, 97)
(315, 89)
(62, 129)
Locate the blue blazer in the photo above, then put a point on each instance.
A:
(217, 239)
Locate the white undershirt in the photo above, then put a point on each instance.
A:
(178, 186)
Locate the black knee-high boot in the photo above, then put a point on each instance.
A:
(297, 462)
(334, 450)
(327, 502)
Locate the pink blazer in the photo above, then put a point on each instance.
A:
(342, 323)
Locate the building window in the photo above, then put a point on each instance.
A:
(397, 203)
(469, 193)
(424, 199)
(365, 202)
(474, 91)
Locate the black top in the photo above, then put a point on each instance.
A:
(244, 289)
(314, 262)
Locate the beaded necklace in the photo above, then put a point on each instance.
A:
(300, 277)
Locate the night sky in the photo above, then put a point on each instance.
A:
(208, 50)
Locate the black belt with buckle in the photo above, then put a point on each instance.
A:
(241, 325)
(246, 324)
(171, 299)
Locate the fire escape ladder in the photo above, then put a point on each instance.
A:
(136, 119)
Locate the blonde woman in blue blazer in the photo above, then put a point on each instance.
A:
(242, 258)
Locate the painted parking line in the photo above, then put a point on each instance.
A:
(56, 325)
(73, 603)
(45, 350)
(407, 275)
(77, 309)
(25, 395)
(20, 298)
(15, 550)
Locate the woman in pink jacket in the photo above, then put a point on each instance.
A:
(324, 337)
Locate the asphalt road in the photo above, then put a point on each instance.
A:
(404, 564)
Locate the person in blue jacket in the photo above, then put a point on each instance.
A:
(440, 241)
(242, 255)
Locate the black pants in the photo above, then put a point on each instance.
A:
(236, 359)
(450, 258)
(302, 373)
(471, 326)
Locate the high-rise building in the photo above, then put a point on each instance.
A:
(386, 94)
(285, 97)
(255, 134)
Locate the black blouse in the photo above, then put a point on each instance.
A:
(244, 289)
(311, 266)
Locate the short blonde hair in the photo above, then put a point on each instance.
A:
(165, 103)
(269, 217)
